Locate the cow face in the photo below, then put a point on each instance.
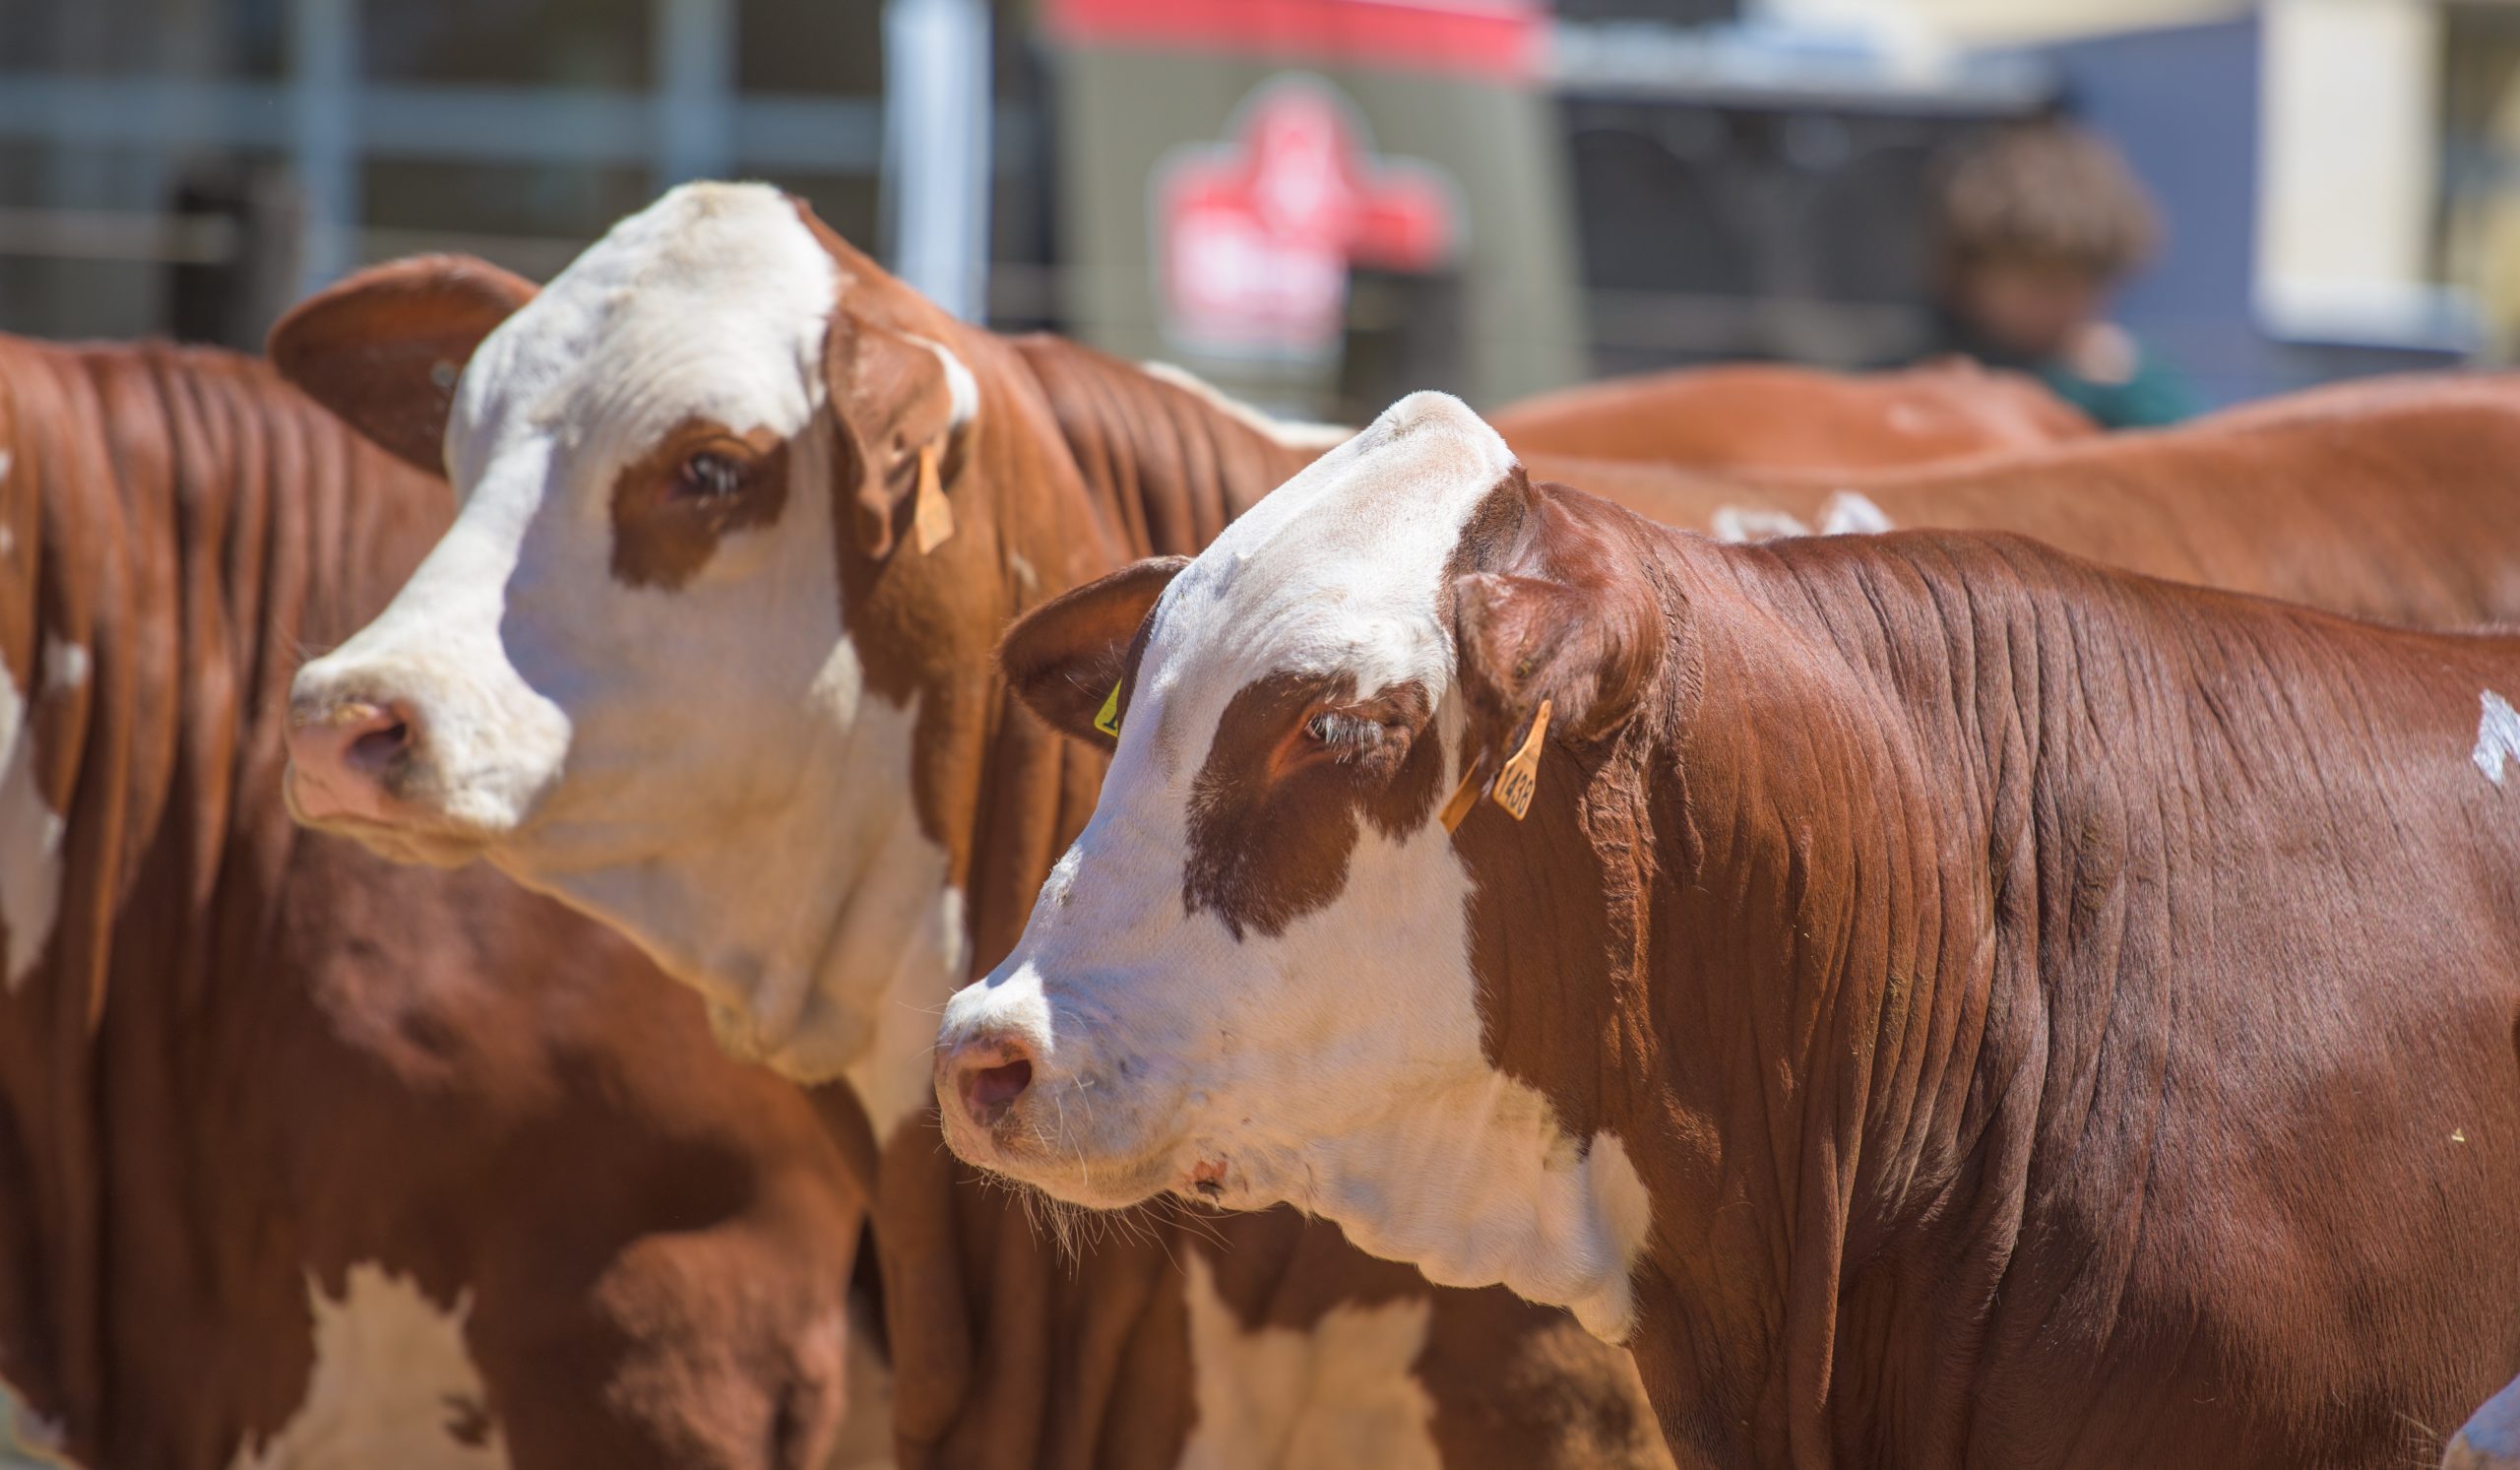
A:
(1252, 978)
(624, 676)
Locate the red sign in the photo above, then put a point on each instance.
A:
(1255, 235)
(1492, 39)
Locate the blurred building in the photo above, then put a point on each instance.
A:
(1318, 202)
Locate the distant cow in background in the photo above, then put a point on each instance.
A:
(1939, 1001)
(1774, 416)
(2394, 498)
(307, 1160)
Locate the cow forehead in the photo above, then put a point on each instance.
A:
(712, 303)
(1342, 569)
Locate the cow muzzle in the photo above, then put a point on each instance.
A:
(1009, 1103)
(408, 769)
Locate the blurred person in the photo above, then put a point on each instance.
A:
(2037, 224)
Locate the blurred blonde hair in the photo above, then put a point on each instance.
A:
(2045, 193)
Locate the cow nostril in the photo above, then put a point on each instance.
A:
(988, 1092)
(374, 749)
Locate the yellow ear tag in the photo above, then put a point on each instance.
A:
(1464, 797)
(1108, 720)
(1521, 775)
(932, 519)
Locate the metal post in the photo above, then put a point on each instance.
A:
(695, 49)
(936, 148)
(323, 48)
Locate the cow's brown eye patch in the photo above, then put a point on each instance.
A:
(701, 483)
(1296, 764)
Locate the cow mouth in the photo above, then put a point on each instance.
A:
(416, 841)
(1016, 1149)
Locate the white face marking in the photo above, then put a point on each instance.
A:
(2498, 735)
(26, 1432)
(1848, 513)
(700, 765)
(1342, 1392)
(30, 834)
(392, 1386)
(1738, 524)
(1339, 1064)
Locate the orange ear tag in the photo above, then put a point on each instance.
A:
(1108, 721)
(1521, 775)
(1464, 797)
(932, 519)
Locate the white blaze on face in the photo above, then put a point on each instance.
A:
(700, 764)
(1343, 1392)
(1338, 1063)
(392, 1386)
(30, 831)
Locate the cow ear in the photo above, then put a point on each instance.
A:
(382, 348)
(1562, 619)
(1064, 659)
(900, 402)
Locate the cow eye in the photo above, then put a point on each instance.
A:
(1345, 735)
(709, 476)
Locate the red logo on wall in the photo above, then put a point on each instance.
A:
(1255, 235)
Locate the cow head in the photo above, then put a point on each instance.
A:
(628, 675)
(1252, 976)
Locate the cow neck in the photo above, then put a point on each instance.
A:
(1166, 467)
(153, 591)
(1009, 1346)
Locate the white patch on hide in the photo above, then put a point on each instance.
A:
(1738, 524)
(1850, 514)
(65, 666)
(392, 1386)
(1279, 1398)
(960, 385)
(30, 833)
(2498, 735)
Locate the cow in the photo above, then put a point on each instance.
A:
(1772, 417)
(1935, 999)
(2386, 500)
(707, 653)
(306, 1159)
(2490, 1439)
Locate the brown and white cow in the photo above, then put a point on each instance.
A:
(307, 1160)
(1948, 1003)
(708, 653)
(1777, 417)
(2389, 498)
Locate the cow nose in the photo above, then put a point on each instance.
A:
(340, 755)
(986, 1073)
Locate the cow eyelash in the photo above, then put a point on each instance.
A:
(1347, 734)
(709, 476)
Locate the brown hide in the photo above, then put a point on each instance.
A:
(2061, 1018)
(251, 1058)
(1771, 416)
